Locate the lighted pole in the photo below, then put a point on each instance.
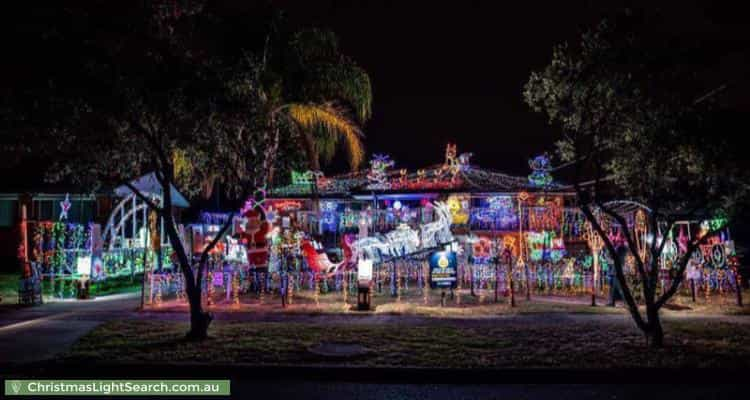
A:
(522, 197)
(595, 244)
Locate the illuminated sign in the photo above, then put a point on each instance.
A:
(364, 270)
(287, 205)
(83, 265)
(443, 269)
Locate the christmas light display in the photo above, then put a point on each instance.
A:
(378, 174)
(540, 166)
(65, 207)
(306, 177)
(459, 209)
(507, 229)
(437, 232)
(286, 206)
(329, 216)
(404, 240)
(545, 246)
(499, 214)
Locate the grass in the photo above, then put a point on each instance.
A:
(412, 303)
(124, 284)
(463, 305)
(8, 288)
(524, 342)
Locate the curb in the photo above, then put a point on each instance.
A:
(371, 374)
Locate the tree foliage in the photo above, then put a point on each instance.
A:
(152, 90)
(319, 93)
(636, 124)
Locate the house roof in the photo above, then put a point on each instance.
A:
(436, 178)
(149, 185)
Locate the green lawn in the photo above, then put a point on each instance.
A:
(527, 342)
(8, 288)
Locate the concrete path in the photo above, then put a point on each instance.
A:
(38, 333)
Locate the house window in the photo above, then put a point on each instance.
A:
(8, 210)
(44, 210)
(81, 211)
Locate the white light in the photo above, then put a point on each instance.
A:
(83, 265)
(272, 233)
(397, 205)
(364, 270)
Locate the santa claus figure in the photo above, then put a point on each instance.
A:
(255, 236)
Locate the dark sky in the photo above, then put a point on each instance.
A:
(454, 71)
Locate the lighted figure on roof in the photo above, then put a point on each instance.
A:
(378, 174)
(65, 207)
(455, 164)
(540, 168)
(308, 178)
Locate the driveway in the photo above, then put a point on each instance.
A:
(37, 333)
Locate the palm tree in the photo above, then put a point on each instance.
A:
(318, 95)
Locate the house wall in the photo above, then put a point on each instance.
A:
(43, 207)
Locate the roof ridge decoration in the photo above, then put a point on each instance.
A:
(540, 168)
(455, 173)
(378, 174)
(448, 175)
(303, 183)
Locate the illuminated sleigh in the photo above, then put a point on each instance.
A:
(319, 262)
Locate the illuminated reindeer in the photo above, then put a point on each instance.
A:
(438, 231)
(370, 248)
(402, 241)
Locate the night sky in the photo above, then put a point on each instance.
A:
(453, 71)
(449, 71)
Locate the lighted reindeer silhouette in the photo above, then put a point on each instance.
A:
(438, 231)
(404, 240)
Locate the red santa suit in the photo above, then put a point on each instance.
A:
(257, 243)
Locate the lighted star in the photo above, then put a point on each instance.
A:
(64, 207)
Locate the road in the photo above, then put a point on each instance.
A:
(290, 390)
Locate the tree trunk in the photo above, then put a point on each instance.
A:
(654, 331)
(199, 319)
(510, 286)
(528, 282)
